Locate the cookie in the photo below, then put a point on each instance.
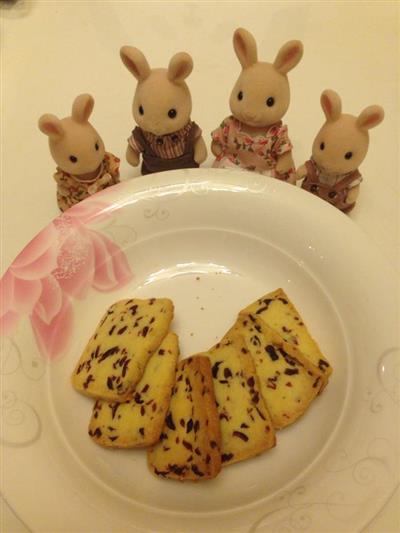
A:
(246, 426)
(139, 421)
(189, 446)
(278, 312)
(288, 381)
(116, 355)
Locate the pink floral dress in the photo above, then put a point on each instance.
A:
(258, 153)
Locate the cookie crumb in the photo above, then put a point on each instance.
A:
(197, 278)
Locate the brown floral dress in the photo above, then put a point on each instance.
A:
(334, 191)
(71, 189)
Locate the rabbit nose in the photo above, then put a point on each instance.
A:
(249, 116)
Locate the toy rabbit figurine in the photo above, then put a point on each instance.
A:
(165, 135)
(253, 137)
(338, 149)
(83, 166)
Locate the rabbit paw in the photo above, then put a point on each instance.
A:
(301, 172)
(132, 157)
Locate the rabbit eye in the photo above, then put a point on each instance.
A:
(96, 147)
(141, 110)
(73, 159)
(240, 95)
(172, 113)
(270, 101)
(322, 146)
(348, 155)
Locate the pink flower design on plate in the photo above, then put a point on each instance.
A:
(21, 286)
(62, 262)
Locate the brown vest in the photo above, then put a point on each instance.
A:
(336, 195)
(153, 163)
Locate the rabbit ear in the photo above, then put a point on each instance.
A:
(180, 66)
(82, 107)
(135, 62)
(51, 126)
(245, 47)
(370, 117)
(331, 105)
(288, 56)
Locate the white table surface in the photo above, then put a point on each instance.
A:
(52, 51)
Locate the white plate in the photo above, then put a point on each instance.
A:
(213, 241)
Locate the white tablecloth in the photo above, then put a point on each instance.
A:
(54, 50)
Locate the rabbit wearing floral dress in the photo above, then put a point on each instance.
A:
(338, 149)
(254, 137)
(83, 165)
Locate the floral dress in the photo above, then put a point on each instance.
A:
(71, 189)
(258, 153)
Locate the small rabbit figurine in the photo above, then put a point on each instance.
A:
(83, 166)
(165, 135)
(253, 137)
(338, 150)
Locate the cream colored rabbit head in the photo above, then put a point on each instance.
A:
(261, 94)
(162, 103)
(342, 143)
(75, 145)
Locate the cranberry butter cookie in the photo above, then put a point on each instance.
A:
(246, 426)
(116, 355)
(278, 312)
(139, 421)
(288, 381)
(189, 446)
